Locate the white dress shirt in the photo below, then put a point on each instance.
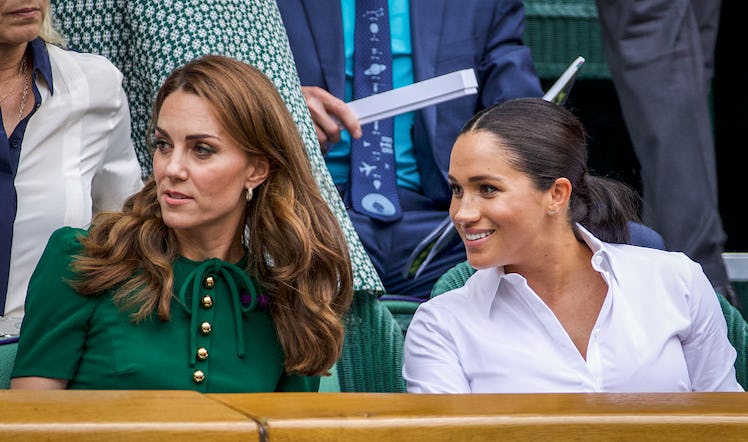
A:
(76, 159)
(660, 329)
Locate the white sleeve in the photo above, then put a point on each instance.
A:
(431, 363)
(709, 355)
(119, 175)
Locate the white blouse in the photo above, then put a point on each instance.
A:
(660, 329)
(76, 159)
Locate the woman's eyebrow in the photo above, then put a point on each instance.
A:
(189, 137)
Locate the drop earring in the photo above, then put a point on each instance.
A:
(249, 194)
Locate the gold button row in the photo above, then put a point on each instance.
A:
(205, 328)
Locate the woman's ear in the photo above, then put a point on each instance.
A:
(258, 171)
(559, 193)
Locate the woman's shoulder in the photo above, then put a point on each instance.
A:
(67, 240)
(479, 288)
(647, 254)
(54, 267)
(635, 262)
(88, 59)
(92, 65)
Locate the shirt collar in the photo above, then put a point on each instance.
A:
(41, 63)
(601, 252)
(601, 262)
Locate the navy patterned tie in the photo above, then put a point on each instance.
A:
(373, 175)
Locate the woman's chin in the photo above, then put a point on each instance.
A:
(480, 262)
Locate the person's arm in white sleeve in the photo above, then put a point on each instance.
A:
(119, 175)
(431, 363)
(709, 355)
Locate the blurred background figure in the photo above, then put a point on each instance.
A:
(661, 58)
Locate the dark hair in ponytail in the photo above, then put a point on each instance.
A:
(547, 142)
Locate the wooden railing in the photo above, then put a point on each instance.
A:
(180, 415)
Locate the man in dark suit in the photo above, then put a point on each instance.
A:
(661, 57)
(429, 38)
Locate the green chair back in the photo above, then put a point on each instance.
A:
(557, 31)
(7, 359)
(402, 308)
(453, 278)
(737, 330)
(372, 357)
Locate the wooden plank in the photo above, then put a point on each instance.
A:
(68, 415)
(513, 417)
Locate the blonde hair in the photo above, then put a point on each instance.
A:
(296, 247)
(48, 32)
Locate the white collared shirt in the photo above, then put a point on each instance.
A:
(77, 159)
(660, 329)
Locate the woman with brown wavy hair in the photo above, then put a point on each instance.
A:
(226, 273)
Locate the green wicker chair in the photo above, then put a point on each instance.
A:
(557, 31)
(453, 278)
(737, 328)
(372, 357)
(402, 308)
(7, 358)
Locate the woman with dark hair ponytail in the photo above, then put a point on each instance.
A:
(560, 302)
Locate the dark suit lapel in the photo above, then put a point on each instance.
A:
(328, 39)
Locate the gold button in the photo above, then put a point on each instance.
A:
(198, 376)
(205, 328)
(209, 282)
(202, 353)
(207, 301)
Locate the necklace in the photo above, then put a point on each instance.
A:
(7, 94)
(25, 89)
(21, 70)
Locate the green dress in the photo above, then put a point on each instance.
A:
(146, 39)
(219, 339)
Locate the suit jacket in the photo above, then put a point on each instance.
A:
(446, 36)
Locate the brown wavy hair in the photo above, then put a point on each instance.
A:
(296, 248)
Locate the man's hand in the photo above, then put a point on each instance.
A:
(328, 113)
